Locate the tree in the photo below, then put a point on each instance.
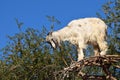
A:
(27, 56)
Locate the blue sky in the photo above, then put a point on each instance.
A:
(33, 13)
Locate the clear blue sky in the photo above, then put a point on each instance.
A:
(33, 13)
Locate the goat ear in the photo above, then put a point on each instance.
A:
(50, 33)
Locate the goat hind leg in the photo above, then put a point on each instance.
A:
(103, 47)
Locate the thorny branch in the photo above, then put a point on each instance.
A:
(104, 62)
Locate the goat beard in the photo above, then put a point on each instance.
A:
(54, 44)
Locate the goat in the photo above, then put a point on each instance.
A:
(82, 32)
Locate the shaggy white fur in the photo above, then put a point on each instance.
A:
(82, 32)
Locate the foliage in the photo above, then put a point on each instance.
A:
(27, 56)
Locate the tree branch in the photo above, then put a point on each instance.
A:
(103, 62)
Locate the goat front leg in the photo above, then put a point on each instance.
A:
(80, 54)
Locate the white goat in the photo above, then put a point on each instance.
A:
(80, 33)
